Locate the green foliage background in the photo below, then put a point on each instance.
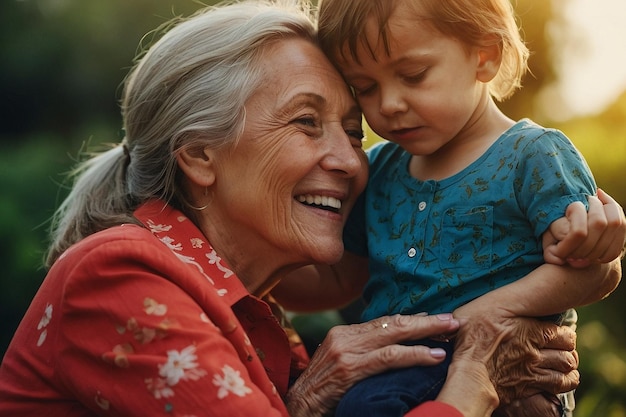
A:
(62, 65)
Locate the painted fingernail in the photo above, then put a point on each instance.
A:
(437, 353)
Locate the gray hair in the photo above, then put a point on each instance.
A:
(188, 90)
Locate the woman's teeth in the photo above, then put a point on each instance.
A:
(321, 201)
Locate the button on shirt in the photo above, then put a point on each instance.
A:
(436, 245)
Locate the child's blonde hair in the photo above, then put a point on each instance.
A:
(473, 22)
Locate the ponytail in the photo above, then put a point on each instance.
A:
(98, 200)
(188, 91)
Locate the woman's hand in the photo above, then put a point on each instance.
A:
(545, 405)
(524, 356)
(540, 357)
(354, 352)
(468, 387)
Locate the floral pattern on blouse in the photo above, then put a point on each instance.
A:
(181, 365)
(231, 382)
(120, 327)
(196, 243)
(45, 320)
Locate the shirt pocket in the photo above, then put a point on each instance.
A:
(466, 239)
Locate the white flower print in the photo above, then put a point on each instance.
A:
(101, 402)
(230, 382)
(156, 228)
(214, 259)
(120, 355)
(181, 365)
(159, 388)
(43, 322)
(42, 338)
(188, 260)
(191, 261)
(152, 307)
(169, 242)
(196, 242)
(47, 316)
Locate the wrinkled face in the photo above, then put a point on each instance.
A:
(285, 190)
(424, 92)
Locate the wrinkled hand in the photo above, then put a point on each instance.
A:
(541, 357)
(544, 405)
(581, 238)
(351, 353)
(523, 356)
(468, 387)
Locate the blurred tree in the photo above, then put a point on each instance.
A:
(533, 18)
(64, 60)
(63, 63)
(28, 199)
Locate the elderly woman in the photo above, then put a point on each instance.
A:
(241, 160)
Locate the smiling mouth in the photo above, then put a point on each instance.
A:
(320, 201)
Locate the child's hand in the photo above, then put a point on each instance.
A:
(581, 238)
(563, 235)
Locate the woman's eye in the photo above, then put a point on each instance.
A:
(307, 121)
(355, 133)
(356, 137)
(309, 125)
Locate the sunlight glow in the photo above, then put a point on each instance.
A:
(592, 64)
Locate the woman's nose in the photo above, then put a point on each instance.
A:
(343, 156)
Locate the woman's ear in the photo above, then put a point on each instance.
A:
(489, 60)
(198, 165)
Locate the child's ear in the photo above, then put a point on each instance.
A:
(489, 60)
(198, 165)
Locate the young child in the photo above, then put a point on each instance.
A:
(461, 198)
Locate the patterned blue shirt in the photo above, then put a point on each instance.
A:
(436, 245)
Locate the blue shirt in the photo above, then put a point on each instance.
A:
(436, 245)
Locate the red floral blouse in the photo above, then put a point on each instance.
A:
(149, 321)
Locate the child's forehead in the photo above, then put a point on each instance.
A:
(350, 28)
(377, 38)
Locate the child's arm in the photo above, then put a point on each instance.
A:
(552, 289)
(549, 289)
(322, 287)
(581, 240)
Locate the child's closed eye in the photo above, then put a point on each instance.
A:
(363, 90)
(415, 78)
